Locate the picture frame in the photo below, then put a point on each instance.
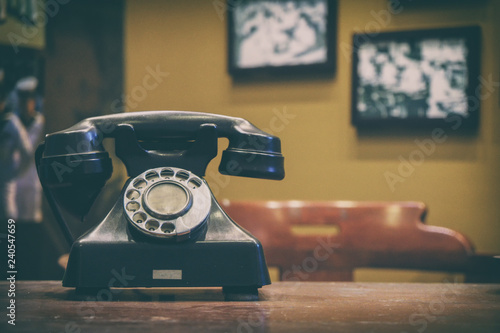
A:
(417, 78)
(281, 38)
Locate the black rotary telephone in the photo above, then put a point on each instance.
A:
(166, 228)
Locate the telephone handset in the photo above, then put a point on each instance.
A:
(166, 229)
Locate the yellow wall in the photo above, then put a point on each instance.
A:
(325, 157)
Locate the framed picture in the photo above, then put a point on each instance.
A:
(419, 78)
(276, 38)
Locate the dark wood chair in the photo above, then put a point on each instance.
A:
(336, 237)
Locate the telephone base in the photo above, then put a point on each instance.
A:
(221, 254)
(231, 294)
(239, 294)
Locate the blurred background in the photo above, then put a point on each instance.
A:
(92, 58)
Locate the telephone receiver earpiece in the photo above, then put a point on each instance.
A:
(74, 180)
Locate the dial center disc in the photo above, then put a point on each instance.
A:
(167, 199)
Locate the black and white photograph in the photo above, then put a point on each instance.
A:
(403, 77)
(276, 34)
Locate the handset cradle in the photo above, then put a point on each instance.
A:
(166, 229)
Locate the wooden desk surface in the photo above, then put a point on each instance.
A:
(283, 307)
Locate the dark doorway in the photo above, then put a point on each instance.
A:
(83, 76)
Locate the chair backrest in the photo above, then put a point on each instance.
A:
(358, 234)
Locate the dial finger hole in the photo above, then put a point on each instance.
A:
(152, 225)
(133, 206)
(140, 184)
(167, 173)
(168, 227)
(133, 195)
(152, 176)
(194, 183)
(182, 175)
(139, 217)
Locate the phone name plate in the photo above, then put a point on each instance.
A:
(167, 274)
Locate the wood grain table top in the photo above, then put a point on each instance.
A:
(45, 306)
